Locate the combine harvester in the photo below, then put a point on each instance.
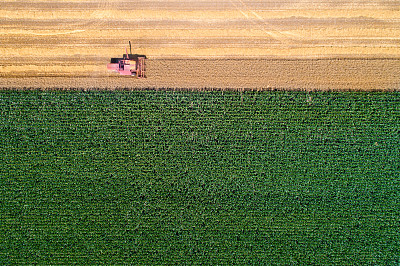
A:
(129, 64)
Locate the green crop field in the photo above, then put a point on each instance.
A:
(163, 177)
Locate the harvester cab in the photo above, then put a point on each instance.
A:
(130, 64)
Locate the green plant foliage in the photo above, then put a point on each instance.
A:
(149, 177)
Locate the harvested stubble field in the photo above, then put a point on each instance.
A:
(242, 44)
(152, 177)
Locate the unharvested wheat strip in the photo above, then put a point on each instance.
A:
(308, 33)
(170, 15)
(143, 33)
(176, 51)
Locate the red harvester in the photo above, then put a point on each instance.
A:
(129, 64)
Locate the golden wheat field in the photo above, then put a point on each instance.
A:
(231, 44)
